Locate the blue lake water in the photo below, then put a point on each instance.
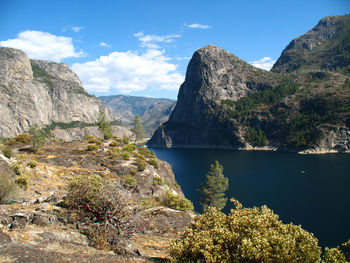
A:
(308, 190)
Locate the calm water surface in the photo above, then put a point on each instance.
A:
(308, 190)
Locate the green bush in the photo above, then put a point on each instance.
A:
(92, 147)
(129, 181)
(157, 180)
(92, 139)
(145, 152)
(8, 188)
(245, 235)
(114, 152)
(20, 139)
(7, 151)
(154, 163)
(333, 255)
(22, 181)
(125, 156)
(125, 139)
(177, 202)
(113, 143)
(140, 164)
(84, 192)
(132, 171)
(32, 163)
(129, 148)
(16, 168)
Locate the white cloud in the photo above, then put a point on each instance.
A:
(263, 63)
(104, 44)
(76, 29)
(198, 26)
(128, 71)
(43, 45)
(149, 41)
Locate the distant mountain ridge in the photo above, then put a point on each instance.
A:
(153, 111)
(302, 104)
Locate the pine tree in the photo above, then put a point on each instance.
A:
(103, 125)
(213, 190)
(38, 136)
(138, 129)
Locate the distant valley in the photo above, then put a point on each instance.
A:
(151, 110)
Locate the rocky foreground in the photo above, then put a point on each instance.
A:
(37, 226)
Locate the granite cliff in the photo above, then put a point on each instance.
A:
(227, 103)
(42, 92)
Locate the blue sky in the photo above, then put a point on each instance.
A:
(142, 47)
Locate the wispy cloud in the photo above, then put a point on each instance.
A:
(198, 26)
(149, 41)
(129, 71)
(104, 44)
(75, 29)
(263, 63)
(43, 45)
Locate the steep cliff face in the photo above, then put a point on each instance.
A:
(226, 103)
(213, 75)
(41, 92)
(325, 47)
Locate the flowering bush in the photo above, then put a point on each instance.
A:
(245, 235)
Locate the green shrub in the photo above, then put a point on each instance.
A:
(333, 255)
(157, 180)
(140, 164)
(129, 181)
(32, 163)
(129, 148)
(16, 168)
(125, 156)
(92, 139)
(132, 171)
(114, 152)
(125, 139)
(154, 163)
(245, 235)
(177, 202)
(8, 188)
(92, 147)
(83, 191)
(20, 139)
(22, 181)
(98, 142)
(113, 143)
(145, 152)
(139, 156)
(22, 156)
(7, 151)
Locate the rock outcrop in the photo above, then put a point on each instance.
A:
(213, 75)
(39, 227)
(42, 92)
(227, 103)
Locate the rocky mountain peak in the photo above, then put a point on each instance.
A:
(14, 64)
(326, 47)
(57, 70)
